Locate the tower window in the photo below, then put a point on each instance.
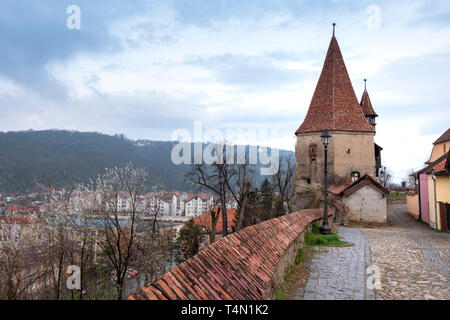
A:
(312, 151)
(355, 175)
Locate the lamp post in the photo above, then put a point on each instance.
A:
(325, 228)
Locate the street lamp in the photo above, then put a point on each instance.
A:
(325, 228)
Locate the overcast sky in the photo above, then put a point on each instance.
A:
(146, 68)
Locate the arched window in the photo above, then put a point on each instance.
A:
(355, 175)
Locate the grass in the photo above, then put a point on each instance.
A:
(396, 194)
(296, 271)
(315, 238)
(292, 275)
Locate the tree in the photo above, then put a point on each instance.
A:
(283, 181)
(188, 240)
(240, 189)
(119, 228)
(154, 252)
(267, 196)
(16, 257)
(215, 177)
(58, 233)
(385, 177)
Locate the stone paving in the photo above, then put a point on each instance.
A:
(412, 257)
(338, 273)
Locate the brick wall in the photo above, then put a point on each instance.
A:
(244, 265)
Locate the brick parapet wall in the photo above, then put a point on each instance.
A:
(247, 264)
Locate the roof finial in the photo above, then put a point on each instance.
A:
(365, 81)
(334, 25)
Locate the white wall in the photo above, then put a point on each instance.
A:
(367, 205)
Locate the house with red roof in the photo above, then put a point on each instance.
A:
(352, 152)
(364, 200)
(204, 221)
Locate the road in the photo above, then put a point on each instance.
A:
(413, 261)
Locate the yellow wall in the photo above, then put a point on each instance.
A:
(431, 202)
(439, 150)
(442, 195)
(443, 188)
(413, 205)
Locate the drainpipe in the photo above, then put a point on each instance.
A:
(435, 202)
(420, 200)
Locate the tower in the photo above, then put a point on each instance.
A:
(366, 106)
(334, 107)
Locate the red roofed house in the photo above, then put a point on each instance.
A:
(352, 152)
(364, 199)
(205, 224)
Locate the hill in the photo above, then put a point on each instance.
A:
(28, 158)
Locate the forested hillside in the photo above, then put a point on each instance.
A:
(51, 157)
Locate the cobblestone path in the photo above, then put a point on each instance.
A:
(412, 257)
(337, 273)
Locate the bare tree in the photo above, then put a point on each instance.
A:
(15, 260)
(154, 243)
(385, 176)
(283, 180)
(240, 189)
(57, 233)
(118, 243)
(214, 177)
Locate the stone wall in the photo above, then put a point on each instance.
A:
(246, 265)
(347, 152)
(366, 205)
(399, 200)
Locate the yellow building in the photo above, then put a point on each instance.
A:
(440, 147)
(433, 194)
(439, 193)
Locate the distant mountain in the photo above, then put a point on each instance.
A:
(28, 158)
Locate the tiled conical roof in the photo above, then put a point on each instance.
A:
(366, 105)
(334, 105)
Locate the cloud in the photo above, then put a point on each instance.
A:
(146, 68)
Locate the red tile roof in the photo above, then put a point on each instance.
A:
(441, 166)
(430, 166)
(204, 220)
(366, 105)
(349, 188)
(444, 137)
(334, 105)
(239, 266)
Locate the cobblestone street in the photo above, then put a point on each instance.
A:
(337, 273)
(413, 260)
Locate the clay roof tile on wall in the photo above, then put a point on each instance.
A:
(238, 266)
(334, 105)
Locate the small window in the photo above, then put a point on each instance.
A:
(355, 175)
(312, 151)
